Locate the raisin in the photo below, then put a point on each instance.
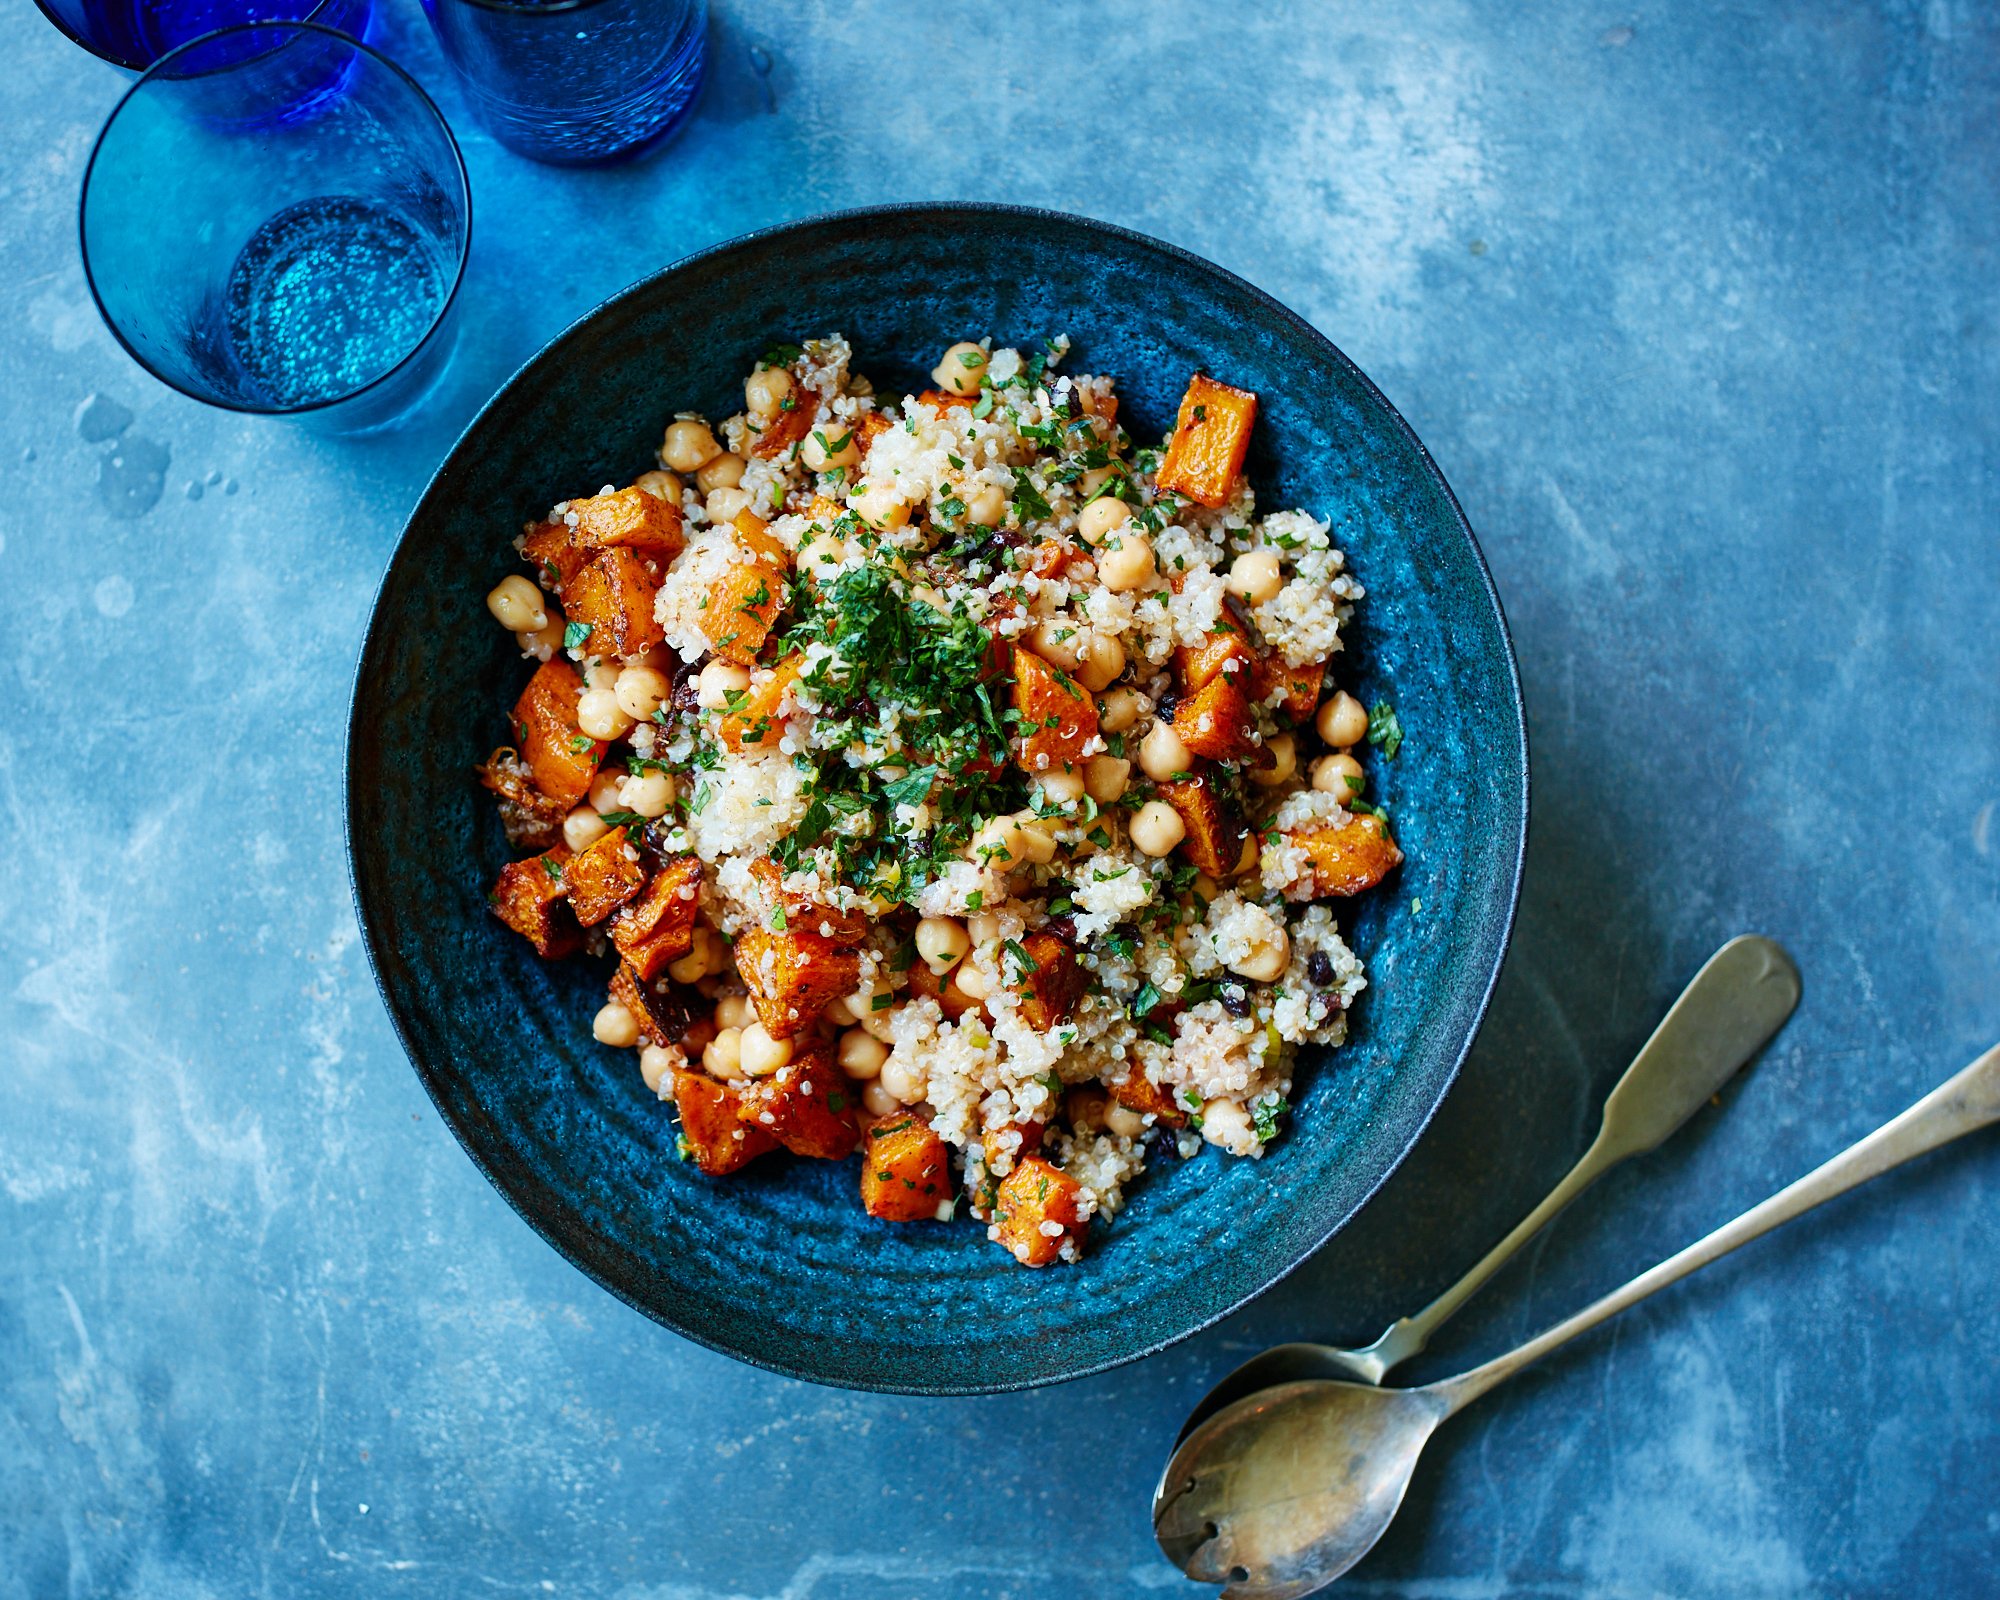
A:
(1319, 968)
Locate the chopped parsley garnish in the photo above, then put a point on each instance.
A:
(1385, 731)
(574, 634)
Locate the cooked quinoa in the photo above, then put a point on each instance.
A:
(950, 779)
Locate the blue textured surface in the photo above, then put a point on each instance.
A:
(777, 1264)
(1696, 307)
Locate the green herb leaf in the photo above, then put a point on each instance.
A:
(574, 634)
(1384, 729)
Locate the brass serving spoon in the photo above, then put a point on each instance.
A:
(1281, 1492)
(1727, 1013)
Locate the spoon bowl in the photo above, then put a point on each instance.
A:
(1282, 1491)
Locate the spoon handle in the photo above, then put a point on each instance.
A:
(1728, 1012)
(1965, 1102)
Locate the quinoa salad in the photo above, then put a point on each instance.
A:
(948, 779)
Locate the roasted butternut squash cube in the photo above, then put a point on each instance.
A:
(792, 423)
(905, 1170)
(1058, 717)
(742, 607)
(1215, 833)
(633, 519)
(1215, 720)
(560, 755)
(1211, 437)
(529, 898)
(755, 535)
(612, 593)
(868, 427)
(759, 717)
(603, 878)
(1036, 1212)
(1137, 1092)
(658, 927)
(793, 977)
(1003, 1148)
(714, 1134)
(1050, 982)
(555, 552)
(531, 819)
(807, 1105)
(953, 1001)
(945, 400)
(1345, 860)
(1221, 652)
(1301, 686)
(668, 1012)
(788, 911)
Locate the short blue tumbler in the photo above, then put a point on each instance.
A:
(275, 220)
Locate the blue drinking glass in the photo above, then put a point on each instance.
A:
(577, 82)
(136, 33)
(276, 220)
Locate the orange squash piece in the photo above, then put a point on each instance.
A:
(868, 427)
(745, 604)
(1001, 1151)
(758, 718)
(633, 519)
(658, 927)
(953, 1001)
(795, 912)
(1215, 720)
(1211, 437)
(807, 1105)
(1348, 859)
(530, 899)
(793, 977)
(1215, 833)
(1034, 1193)
(1137, 1092)
(905, 1170)
(613, 594)
(1050, 988)
(1301, 686)
(1058, 718)
(560, 755)
(555, 552)
(531, 819)
(1219, 653)
(602, 878)
(713, 1132)
(668, 1013)
(788, 427)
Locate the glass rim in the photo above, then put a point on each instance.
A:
(527, 8)
(142, 68)
(458, 271)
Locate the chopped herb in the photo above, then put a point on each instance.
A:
(1265, 1115)
(1143, 1002)
(1384, 729)
(581, 743)
(780, 355)
(553, 868)
(574, 634)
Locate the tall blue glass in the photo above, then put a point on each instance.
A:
(276, 220)
(577, 82)
(136, 33)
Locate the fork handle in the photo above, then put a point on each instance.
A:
(1963, 1103)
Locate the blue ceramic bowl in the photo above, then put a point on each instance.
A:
(778, 1265)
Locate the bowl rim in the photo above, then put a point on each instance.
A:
(943, 210)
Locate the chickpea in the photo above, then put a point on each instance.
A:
(1339, 774)
(600, 672)
(840, 1013)
(1269, 954)
(972, 981)
(1118, 710)
(724, 472)
(543, 642)
(903, 1079)
(1097, 477)
(942, 942)
(1205, 888)
(878, 1101)
(1055, 641)
(650, 794)
(604, 791)
(1248, 857)
(718, 681)
(961, 368)
(1100, 662)
(1255, 576)
(641, 691)
(877, 1020)
(656, 1066)
(1086, 1106)
(1226, 1123)
(689, 446)
(734, 1011)
(1129, 564)
(1342, 721)
(725, 504)
(583, 827)
(724, 1055)
(615, 1026)
(1097, 521)
(599, 714)
(1064, 788)
(1006, 843)
(880, 506)
(518, 606)
(861, 1054)
(984, 926)
(766, 390)
(1284, 752)
(1162, 753)
(760, 1053)
(987, 505)
(1105, 778)
(833, 445)
(1158, 828)
(694, 966)
(1124, 1121)
(665, 486)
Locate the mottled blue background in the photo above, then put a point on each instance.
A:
(1696, 305)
